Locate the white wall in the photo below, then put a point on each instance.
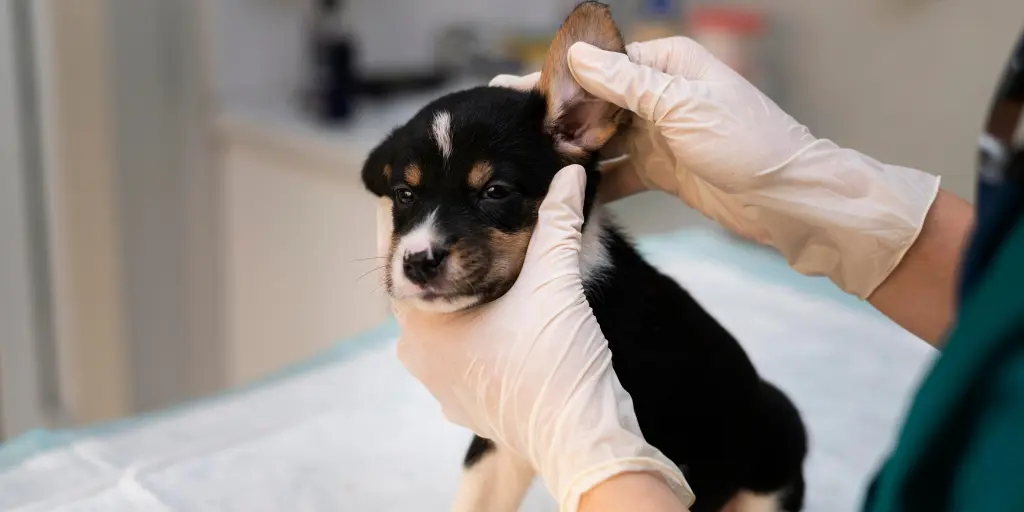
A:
(259, 46)
(908, 81)
(168, 198)
(21, 395)
(255, 47)
(132, 207)
(84, 226)
(396, 34)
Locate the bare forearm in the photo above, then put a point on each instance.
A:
(632, 492)
(920, 294)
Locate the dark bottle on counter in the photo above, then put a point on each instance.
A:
(331, 95)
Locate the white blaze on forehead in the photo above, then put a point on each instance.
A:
(421, 239)
(442, 129)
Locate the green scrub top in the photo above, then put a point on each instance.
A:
(962, 445)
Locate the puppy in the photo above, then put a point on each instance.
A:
(466, 175)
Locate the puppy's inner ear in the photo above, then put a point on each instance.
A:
(579, 122)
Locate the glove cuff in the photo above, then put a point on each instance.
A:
(856, 225)
(588, 479)
(597, 439)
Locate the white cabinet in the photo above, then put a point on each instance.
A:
(300, 243)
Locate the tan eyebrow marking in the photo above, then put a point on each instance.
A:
(387, 172)
(480, 174)
(510, 249)
(413, 174)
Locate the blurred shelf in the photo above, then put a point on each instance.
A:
(282, 127)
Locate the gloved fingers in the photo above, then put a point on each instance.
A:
(413, 319)
(522, 83)
(437, 368)
(400, 310)
(385, 231)
(384, 226)
(612, 77)
(680, 56)
(559, 218)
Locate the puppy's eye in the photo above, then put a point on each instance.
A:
(497, 192)
(404, 195)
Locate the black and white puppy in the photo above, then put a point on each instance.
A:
(466, 175)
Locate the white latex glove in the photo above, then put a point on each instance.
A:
(532, 371)
(707, 135)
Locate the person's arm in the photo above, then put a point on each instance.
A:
(920, 294)
(631, 492)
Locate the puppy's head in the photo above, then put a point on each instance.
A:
(467, 173)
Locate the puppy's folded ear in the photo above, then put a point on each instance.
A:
(377, 168)
(579, 122)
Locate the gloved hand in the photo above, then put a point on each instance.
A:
(532, 371)
(707, 135)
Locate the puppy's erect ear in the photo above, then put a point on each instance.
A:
(580, 122)
(377, 168)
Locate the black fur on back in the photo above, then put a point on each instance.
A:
(696, 394)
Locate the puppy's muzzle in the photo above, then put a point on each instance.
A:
(423, 267)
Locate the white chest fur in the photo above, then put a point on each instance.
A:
(595, 261)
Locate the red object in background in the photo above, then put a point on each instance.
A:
(741, 21)
(733, 35)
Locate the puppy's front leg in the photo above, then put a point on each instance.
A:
(494, 479)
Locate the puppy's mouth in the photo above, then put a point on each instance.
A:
(442, 286)
(429, 299)
(447, 296)
(431, 296)
(461, 284)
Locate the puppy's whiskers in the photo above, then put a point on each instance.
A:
(368, 272)
(468, 282)
(376, 288)
(368, 259)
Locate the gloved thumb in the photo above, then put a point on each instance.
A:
(612, 77)
(384, 226)
(385, 230)
(559, 218)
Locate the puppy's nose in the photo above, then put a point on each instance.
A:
(421, 267)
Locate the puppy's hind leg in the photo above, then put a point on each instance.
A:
(494, 479)
(778, 447)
